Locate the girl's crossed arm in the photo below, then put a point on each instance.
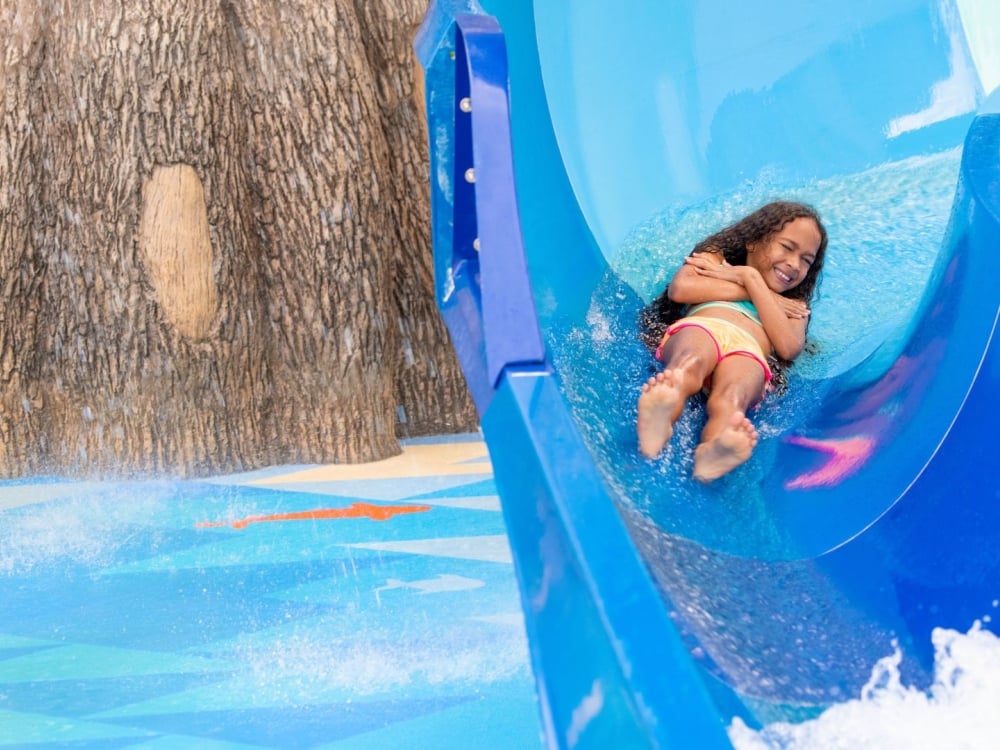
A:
(704, 279)
(690, 286)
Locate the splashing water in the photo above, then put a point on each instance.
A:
(885, 228)
(84, 524)
(374, 661)
(957, 712)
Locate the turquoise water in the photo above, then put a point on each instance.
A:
(126, 622)
(885, 227)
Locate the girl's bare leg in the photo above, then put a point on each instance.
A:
(689, 356)
(729, 437)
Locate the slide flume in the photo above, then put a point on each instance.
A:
(657, 611)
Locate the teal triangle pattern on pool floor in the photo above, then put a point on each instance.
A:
(342, 608)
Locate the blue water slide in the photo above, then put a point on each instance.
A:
(658, 610)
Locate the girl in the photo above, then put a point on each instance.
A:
(743, 294)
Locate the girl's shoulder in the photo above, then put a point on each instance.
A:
(710, 252)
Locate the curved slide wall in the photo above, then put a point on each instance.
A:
(885, 492)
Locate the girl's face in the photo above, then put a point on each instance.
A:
(784, 258)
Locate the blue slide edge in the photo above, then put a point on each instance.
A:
(606, 656)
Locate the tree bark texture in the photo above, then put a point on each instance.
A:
(214, 249)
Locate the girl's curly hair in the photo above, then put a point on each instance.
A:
(731, 243)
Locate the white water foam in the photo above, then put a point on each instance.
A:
(73, 524)
(958, 712)
(371, 661)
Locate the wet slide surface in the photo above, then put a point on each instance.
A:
(864, 518)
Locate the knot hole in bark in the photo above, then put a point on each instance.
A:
(175, 243)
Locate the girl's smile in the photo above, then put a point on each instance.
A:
(784, 258)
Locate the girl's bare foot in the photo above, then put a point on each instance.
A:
(661, 395)
(725, 451)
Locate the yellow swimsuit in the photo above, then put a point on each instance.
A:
(730, 340)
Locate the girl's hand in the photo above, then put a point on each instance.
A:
(703, 266)
(795, 309)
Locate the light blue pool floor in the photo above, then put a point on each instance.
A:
(127, 622)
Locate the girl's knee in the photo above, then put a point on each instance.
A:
(691, 370)
(731, 397)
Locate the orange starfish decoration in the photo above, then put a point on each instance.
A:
(354, 510)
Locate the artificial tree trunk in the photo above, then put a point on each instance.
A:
(214, 250)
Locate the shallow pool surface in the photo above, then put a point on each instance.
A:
(367, 606)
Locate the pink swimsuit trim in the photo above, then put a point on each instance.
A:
(689, 323)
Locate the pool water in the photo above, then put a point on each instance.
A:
(342, 607)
